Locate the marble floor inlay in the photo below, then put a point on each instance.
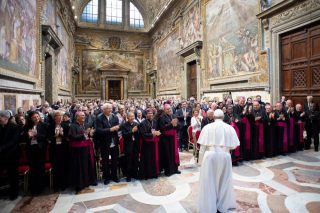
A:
(281, 184)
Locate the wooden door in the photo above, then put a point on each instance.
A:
(114, 89)
(192, 80)
(300, 63)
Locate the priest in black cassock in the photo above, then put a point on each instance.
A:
(131, 149)
(281, 134)
(168, 145)
(149, 159)
(299, 119)
(82, 165)
(269, 130)
(256, 119)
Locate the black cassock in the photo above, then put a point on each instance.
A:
(130, 149)
(257, 134)
(281, 132)
(298, 130)
(149, 159)
(168, 146)
(269, 136)
(82, 165)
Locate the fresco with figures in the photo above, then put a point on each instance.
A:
(18, 36)
(48, 14)
(191, 30)
(92, 61)
(64, 57)
(231, 36)
(168, 63)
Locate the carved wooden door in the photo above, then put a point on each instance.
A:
(300, 63)
(192, 81)
(114, 89)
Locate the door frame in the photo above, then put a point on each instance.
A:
(121, 86)
(275, 35)
(194, 62)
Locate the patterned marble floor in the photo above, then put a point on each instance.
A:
(282, 184)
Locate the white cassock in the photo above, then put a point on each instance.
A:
(216, 188)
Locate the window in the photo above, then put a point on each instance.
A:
(136, 19)
(114, 11)
(90, 12)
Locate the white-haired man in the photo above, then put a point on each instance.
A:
(107, 125)
(216, 189)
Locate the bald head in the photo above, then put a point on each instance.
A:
(256, 105)
(130, 117)
(288, 103)
(167, 108)
(214, 106)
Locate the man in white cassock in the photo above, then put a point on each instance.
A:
(216, 188)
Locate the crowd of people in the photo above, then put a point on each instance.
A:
(141, 138)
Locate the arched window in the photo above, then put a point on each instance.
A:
(90, 12)
(114, 11)
(136, 19)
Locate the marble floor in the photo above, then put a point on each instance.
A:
(282, 184)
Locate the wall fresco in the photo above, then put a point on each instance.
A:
(18, 36)
(232, 40)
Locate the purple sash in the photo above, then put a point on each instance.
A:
(85, 143)
(285, 137)
(237, 150)
(173, 133)
(155, 140)
(247, 132)
(261, 140)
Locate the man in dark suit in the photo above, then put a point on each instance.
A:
(107, 125)
(309, 102)
(9, 139)
(184, 117)
(312, 127)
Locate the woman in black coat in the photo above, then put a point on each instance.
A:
(59, 151)
(36, 134)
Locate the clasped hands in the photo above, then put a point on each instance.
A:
(174, 122)
(156, 133)
(115, 128)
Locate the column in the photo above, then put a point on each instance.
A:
(102, 14)
(198, 81)
(103, 88)
(125, 89)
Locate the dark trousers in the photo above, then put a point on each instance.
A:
(109, 173)
(131, 156)
(36, 157)
(11, 166)
(183, 137)
(312, 133)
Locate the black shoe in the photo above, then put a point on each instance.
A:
(128, 179)
(178, 172)
(13, 196)
(94, 184)
(316, 149)
(116, 180)
(106, 182)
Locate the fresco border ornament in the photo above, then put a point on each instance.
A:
(296, 11)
